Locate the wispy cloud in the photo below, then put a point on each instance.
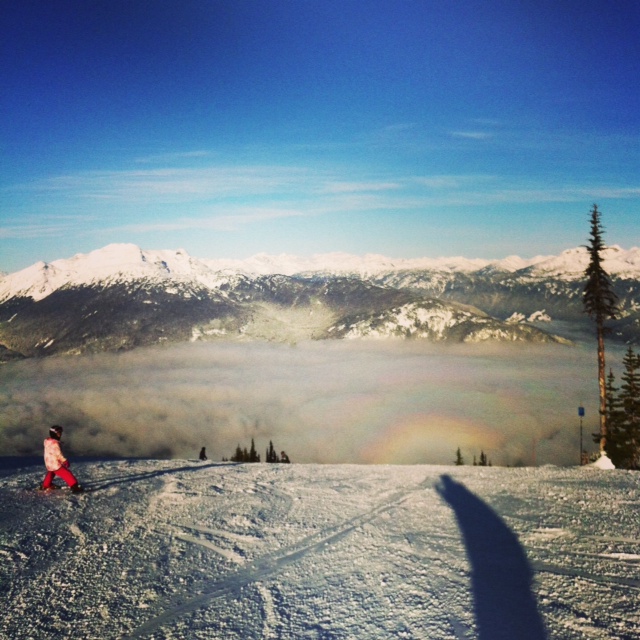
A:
(216, 220)
(233, 197)
(392, 134)
(533, 195)
(472, 135)
(487, 122)
(485, 189)
(31, 226)
(170, 157)
(171, 184)
(454, 182)
(354, 187)
(29, 231)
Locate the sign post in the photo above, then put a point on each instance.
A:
(581, 414)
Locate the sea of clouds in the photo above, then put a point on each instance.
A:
(327, 402)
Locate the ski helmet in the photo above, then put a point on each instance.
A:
(55, 431)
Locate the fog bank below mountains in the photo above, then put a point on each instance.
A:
(370, 402)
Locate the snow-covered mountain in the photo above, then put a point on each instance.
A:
(121, 296)
(570, 264)
(181, 549)
(547, 289)
(114, 264)
(118, 263)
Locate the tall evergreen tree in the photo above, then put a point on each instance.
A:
(459, 458)
(600, 303)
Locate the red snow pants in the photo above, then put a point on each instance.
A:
(63, 473)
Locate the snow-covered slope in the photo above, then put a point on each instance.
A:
(180, 549)
(437, 321)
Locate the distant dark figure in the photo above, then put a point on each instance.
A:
(203, 454)
(56, 463)
(284, 457)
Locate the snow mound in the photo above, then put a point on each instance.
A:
(603, 462)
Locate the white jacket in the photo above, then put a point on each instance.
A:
(53, 458)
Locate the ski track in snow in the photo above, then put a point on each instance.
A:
(269, 565)
(180, 549)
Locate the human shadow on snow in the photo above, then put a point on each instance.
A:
(505, 607)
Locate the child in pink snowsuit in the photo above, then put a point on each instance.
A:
(56, 463)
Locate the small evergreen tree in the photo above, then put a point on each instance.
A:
(238, 456)
(242, 455)
(623, 415)
(272, 456)
(599, 302)
(483, 459)
(459, 458)
(615, 420)
(253, 454)
(630, 401)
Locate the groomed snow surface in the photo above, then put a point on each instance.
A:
(183, 549)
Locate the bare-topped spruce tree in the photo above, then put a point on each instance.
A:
(600, 302)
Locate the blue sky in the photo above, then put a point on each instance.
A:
(407, 128)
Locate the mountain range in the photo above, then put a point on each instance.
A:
(121, 297)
